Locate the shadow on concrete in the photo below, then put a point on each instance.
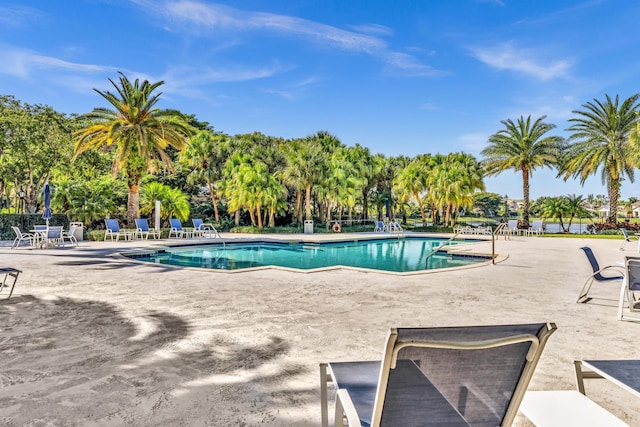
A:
(72, 362)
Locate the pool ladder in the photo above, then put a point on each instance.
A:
(426, 261)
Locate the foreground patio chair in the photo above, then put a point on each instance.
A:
(20, 236)
(455, 376)
(596, 275)
(114, 232)
(143, 230)
(630, 285)
(629, 239)
(9, 272)
(380, 227)
(206, 229)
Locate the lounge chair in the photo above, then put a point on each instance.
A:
(9, 272)
(143, 230)
(205, 229)
(629, 239)
(114, 232)
(395, 227)
(630, 285)
(536, 228)
(177, 230)
(463, 376)
(596, 275)
(512, 226)
(20, 236)
(380, 227)
(70, 235)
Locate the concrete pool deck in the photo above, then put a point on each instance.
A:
(93, 339)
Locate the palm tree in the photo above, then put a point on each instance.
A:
(601, 134)
(522, 147)
(175, 204)
(305, 164)
(138, 132)
(412, 180)
(205, 155)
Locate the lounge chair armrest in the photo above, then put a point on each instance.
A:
(345, 407)
(620, 268)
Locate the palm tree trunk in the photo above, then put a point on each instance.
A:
(307, 200)
(213, 200)
(299, 205)
(237, 217)
(423, 214)
(133, 205)
(614, 195)
(525, 195)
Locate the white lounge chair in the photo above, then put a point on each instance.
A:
(177, 230)
(205, 229)
(473, 375)
(114, 232)
(537, 228)
(512, 225)
(143, 230)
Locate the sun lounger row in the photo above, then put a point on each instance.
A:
(200, 229)
(472, 230)
(391, 227)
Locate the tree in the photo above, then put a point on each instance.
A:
(175, 204)
(305, 163)
(206, 156)
(412, 180)
(487, 203)
(601, 142)
(34, 141)
(137, 130)
(522, 147)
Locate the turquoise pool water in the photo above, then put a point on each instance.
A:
(396, 255)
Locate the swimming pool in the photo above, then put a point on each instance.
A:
(398, 255)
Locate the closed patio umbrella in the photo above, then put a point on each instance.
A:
(46, 214)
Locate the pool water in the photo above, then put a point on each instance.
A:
(396, 255)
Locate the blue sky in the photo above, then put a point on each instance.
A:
(403, 77)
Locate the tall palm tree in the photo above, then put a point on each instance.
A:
(412, 180)
(522, 147)
(137, 130)
(305, 164)
(601, 134)
(206, 156)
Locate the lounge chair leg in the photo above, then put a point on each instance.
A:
(582, 298)
(9, 272)
(323, 395)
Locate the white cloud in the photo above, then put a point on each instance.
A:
(21, 63)
(474, 142)
(18, 16)
(511, 58)
(209, 18)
